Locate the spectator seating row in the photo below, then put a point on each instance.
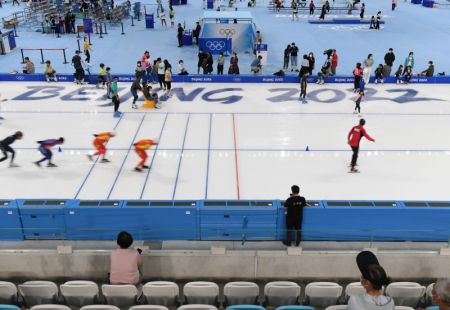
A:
(77, 294)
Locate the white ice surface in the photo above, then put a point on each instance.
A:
(196, 157)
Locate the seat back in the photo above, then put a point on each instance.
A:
(197, 307)
(201, 292)
(429, 296)
(100, 307)
(50, 307)
(403, 308)
(241, 293)
(79, 293)
(245, 307)
(9, 307)
(121, 296)
(295, 308)
(323, 294)
(148, 307)
(337, 307)
(280, 293)
(405, 293)
(354, 289)
(161, 293)
(38, 293)
(8, 293)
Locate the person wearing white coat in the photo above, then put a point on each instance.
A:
(367, 68)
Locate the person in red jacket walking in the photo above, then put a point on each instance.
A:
(354, 138)
(334, 62)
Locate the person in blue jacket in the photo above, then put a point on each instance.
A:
(45, 149)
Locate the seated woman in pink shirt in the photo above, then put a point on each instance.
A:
(125, 262)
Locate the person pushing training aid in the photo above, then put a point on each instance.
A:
(5, 148)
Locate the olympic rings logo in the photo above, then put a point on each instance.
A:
(215, 45)
(227, 32)
(20, 78)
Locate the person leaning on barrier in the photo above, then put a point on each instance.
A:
(50, 72)
(294, 216)
(28, 66)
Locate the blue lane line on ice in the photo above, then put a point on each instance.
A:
(126, 156)
(181, 157)
(209, 155)
(95, 162)
(256, 150)
(153, 158)
(237, 113)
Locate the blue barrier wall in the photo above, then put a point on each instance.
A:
(92, 79)
(222, 220)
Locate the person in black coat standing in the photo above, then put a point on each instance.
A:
(180, 35)
(294, 216)
(389, 59)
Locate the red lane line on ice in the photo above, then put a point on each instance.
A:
(236, 159)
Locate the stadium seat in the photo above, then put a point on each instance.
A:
(38, 293)
(281, 293)
(295, 308)
(99, 307)
(202, 293)
(79, 293)
(241, 293)
(50, 307)
(323, 294)
(428, 295)
(161, 293)
(354, 289)
(403, 308)
(121, 296)
(405, 293)
(197, 307)
(148, 307)
(9, 307)
(337, 307)
(8, 293)
(245, 307)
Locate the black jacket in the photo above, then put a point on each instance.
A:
(389, 59)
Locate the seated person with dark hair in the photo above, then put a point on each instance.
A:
(429, 71)
(125, 261)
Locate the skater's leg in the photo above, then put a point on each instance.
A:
(101, 150)
(5, 154)
(355, 150)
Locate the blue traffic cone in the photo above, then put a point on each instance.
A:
(307, 149)
(59, 149)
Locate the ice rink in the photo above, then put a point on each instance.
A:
(231, 141)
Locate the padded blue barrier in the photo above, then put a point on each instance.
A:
(11, 227)
(238, 220)
(43, 219)
(92, 79)
(222, 220)
(148, 220)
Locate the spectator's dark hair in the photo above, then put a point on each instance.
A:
(376, 275)
(124, 240)
(295, 189)
(362, 121)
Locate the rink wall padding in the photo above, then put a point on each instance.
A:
(92, 79)
(62, 219)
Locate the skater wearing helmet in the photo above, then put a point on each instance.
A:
(45, 149)
(5, 147)
(141, 148)
(354, 138)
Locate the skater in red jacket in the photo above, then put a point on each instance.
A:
(354, 137)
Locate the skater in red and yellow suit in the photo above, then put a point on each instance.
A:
(140, 148)
(100, 141)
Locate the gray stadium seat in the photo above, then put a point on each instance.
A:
(50, 307)
(405, 293)
(323, 294)
(201, 293)
(337, 307)
(241, 293)
(403, 308)
(428, 295)
(281, 293)
(79, 293)
(148, 307)
(122, 296)
(354, 289)
(161, 293)
(197, 307)
(100, 307)
(8, 293)
(38, 293)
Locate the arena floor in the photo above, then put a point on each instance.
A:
(231, 141)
